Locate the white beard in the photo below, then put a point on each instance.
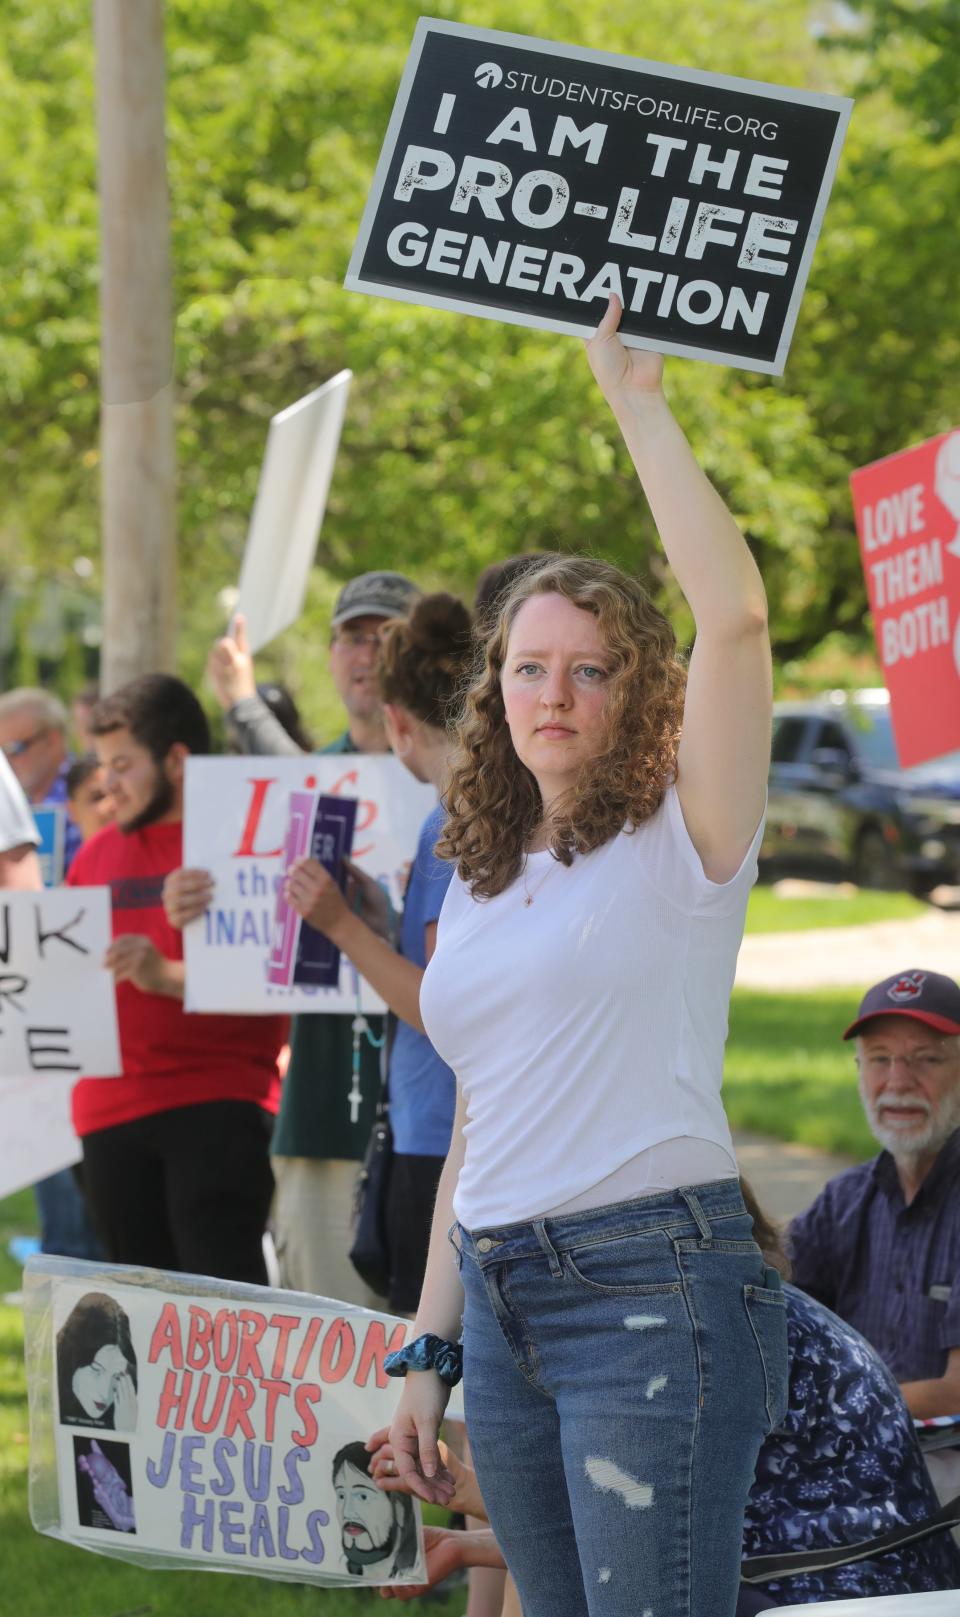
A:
(942, 1121)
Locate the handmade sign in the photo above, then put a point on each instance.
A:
(52, 830)
(527, 181)
(57, 1002)
(908, 521)
(184, 1422)
(288, 513)
(235, 822)
(322, 828)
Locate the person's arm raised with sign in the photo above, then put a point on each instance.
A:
(254, 725)
(604, 814)
(724, 753)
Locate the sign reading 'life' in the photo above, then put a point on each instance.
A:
(526, 181)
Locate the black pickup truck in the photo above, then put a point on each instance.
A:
(841, 806)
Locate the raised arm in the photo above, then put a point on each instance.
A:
(230, 672)
(725, 746)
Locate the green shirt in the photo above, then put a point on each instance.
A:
(314, 1117)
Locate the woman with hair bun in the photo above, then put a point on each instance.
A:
(423, 661)
(624, 1343)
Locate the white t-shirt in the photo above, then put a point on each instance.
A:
(590, 1025)
(17, 825)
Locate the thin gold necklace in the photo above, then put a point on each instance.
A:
(528, 896)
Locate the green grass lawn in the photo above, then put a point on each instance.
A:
(787, 1075)
(768, 911)
(17, 1217)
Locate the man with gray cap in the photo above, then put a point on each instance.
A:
(362, 607)
(880, 1246)
(319, 1141)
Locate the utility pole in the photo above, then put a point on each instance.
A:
(136, 312)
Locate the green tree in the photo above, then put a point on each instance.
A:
(465, 439)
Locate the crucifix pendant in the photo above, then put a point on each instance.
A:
(355, 1098)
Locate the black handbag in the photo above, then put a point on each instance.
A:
(370, 1251)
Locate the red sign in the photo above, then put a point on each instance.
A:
(908, 519)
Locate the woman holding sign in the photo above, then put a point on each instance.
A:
(624, 1344)
(422, 661)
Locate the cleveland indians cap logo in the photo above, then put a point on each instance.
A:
(907, 987)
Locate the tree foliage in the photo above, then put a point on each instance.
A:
(465, 439)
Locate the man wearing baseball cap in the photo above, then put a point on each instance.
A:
(363, 605)
(880, 1246)
(319, 1138)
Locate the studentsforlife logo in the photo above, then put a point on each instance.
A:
(490, 76)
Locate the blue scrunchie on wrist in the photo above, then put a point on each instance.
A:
(428, 1353)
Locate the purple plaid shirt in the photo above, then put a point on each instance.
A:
(891, 1271)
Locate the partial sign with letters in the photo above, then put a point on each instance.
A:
(908, 521)
(526, 181)
(182, 1422)
(320, 828)
(236, 815)
(57, 1000)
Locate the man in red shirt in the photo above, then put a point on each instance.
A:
(176, 1164)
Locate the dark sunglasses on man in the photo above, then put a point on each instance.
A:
(16, 749)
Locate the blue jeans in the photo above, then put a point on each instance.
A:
(621, 1368)
(65, 1227)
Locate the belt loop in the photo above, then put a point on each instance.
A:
(540, 1231)
(697, 1214)
(452, 1234)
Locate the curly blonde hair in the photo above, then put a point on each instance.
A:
(494, 800)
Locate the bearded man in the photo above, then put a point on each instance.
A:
(378, 1531)
(176, 1168)
(880, 1246)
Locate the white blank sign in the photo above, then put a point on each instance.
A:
(945, 1604)
(36, 1134)
(288, 512)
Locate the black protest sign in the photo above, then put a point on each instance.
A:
(526, 181)
(57, 1000)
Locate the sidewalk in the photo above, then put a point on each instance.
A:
(837, 957)
(786, 1178)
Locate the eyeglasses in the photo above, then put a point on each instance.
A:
(921, 1063)
(16, 749)
(356, 639)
